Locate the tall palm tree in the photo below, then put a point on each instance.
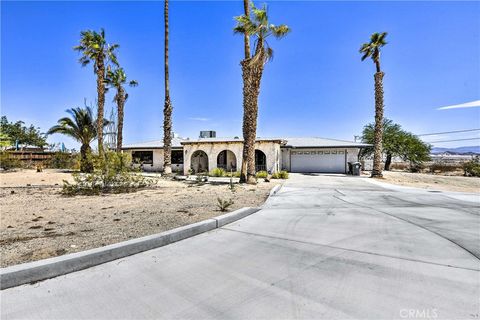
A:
(117, 78)
(167, 109)
(372, 50)
(94, 47)
(254, 25)
(81, 127)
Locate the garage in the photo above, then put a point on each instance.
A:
(326, 160)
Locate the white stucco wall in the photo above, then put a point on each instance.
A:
(212, 149)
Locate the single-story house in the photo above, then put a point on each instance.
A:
(305, 155)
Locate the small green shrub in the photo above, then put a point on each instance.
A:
(63, 160)
(280, 175)
(112, 174)
(218, 172)
(8, 163)
(283, 174)
(223, 205)
(472, 168)
(262, 174)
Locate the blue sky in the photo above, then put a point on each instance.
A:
(316, 84)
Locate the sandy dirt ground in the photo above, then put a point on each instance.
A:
(431, 181)
(37, 222)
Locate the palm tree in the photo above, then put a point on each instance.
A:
(167, 109)
(81, 127)
(372, 49)
(254, 25)
(117, 79)
(94, 47)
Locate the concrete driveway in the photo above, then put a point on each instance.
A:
(324, 247)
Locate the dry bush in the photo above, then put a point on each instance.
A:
(400, 166)
(441, 167)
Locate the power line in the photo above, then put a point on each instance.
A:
(478, 138)
(456, 131)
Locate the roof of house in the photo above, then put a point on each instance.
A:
(322, 142)
(155, 144)
(229, 139)
(313, 142)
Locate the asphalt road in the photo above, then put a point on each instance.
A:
(324, 247)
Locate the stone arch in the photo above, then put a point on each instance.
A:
(260, 161)
(227, 160)
(199, 162)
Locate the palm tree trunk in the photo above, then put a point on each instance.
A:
(246, 149)
(86, 165)
(377, 155)
(120, 115)
(101, 103)
(167, 110)
(388, 162)
(252, 75)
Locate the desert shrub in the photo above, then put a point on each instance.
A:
(63, 160)
(280, 175)
(262, 174)
(218, 172)
(441, 167)
(416, 167)
(7, 162)
(283, 174)
(472, 167)
(235, 174)
(223, 205)
(399, 166)
(112, 174)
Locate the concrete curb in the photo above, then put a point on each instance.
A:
(275, 190)
(234, 216)
(53, 267)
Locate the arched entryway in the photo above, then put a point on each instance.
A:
(227, 161)
(260, 161)
(199, 162)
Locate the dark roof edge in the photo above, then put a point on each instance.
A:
(326, 147)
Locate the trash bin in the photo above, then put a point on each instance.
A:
(356, 168)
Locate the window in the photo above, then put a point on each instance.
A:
(340, 152)
(177, 157)
(142, 157)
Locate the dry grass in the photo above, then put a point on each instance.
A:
(38, 222)
(431, 181)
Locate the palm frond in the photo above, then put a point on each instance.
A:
(280, 31)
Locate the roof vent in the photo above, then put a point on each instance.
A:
(236, 138)
(208, 134)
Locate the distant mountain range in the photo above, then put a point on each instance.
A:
(458, 150)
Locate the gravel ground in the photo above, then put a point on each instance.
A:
(432, 181)
(37, 222)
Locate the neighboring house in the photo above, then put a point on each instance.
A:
(271, 154)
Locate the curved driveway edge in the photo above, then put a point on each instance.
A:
(53, 267)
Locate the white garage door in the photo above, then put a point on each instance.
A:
(330, 161)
